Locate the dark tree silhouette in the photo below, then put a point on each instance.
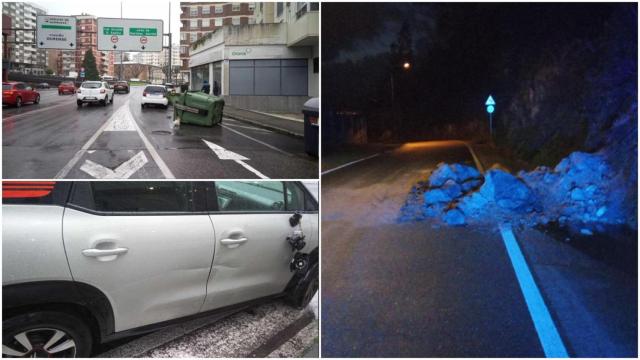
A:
(90, 68)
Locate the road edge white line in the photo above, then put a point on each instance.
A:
(548, 335)
(248, 167)
(74, 160)
(256, 140)
(475, 158)
(349, 164)
(152, 151)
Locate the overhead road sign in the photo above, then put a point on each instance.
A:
(56, 32)
(115, 34)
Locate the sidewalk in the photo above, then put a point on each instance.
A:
(290, 124)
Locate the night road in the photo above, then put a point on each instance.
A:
(55, 139)
(405, 289)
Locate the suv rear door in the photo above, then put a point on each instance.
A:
(147, 245)
(251, 221)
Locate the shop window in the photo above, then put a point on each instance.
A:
(268, 77)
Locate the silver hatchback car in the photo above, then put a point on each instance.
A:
(89, 262)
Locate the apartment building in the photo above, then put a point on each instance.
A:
(269, 65)
(24, 56)
(200, 18)
(87, 38)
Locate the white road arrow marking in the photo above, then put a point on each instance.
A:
(124, 171)
(224, 154)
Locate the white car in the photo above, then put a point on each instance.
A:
(155, 95)
(94, 92)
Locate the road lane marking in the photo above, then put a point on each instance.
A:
(124, 171)
(256, 140)
(547, 332)
(475, 158)
(349, 164)
(224, 154)
(123, 112)
(251, 128)
(120, 122)
(12, 117)
(74, 160)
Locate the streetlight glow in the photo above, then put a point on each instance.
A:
(406, 65)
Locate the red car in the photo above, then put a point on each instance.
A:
(66, 87)
(18, 93)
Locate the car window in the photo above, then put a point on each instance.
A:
(155, 89)
(20, 86)
(295, 197)
(91, 85)
(250, 196)
(126, 196)
(7, 86)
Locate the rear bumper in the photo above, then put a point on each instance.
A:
(96, 98)
(159, 101)
(8, 100)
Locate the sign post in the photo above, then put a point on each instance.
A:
(56, 32)
(115, 34)
(491, 106)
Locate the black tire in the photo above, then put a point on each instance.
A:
(142, 105)
(104, 102)
(302, 293)
(18, 102)
(43, 325)
(59, 92)
(111, 100)
(37, 100)
(79, 103)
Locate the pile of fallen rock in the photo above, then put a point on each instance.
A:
(580, 189)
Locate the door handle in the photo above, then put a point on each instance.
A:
(232, 243)
(104, 252)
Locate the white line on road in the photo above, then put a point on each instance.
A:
(349, 164)
(256, 140)
(124, 171)
(547, 333)
(224, 154)
(31, 112)
(251, 128)
(152, 150)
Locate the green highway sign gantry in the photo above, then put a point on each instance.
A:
(115, 34)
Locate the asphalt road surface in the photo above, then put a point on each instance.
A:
(55, 139)
(392, 289)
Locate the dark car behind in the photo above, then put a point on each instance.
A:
(121, 86)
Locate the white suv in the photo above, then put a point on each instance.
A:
(87, 262)
(94, 92)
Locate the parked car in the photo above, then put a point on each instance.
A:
(43, 85)
(94, 92)
(90, 262)
(121, 86)
(171, 88)
(66, 87)
(154, 95)
(17, 93)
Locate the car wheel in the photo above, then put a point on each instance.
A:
(45, 334)
(111, 100)
(104, 102)
(307, 286)
(37, 100)
(79, 103)
(142, 105)
(59, 92)
(18, 102)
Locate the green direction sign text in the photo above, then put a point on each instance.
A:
(143, 31)
(113, 30)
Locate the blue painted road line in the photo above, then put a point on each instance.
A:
(547, 332)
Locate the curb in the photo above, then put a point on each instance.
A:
(265, 126)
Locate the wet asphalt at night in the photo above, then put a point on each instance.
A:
(56, 139)
(399, 289)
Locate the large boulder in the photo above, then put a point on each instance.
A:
(456, 172)
(506, 191)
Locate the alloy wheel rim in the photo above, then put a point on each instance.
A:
(40, 342)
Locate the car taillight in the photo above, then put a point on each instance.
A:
(144, 93)
(102, 91)
(26, 189)
(313, 120)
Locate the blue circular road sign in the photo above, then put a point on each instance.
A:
(490, 109)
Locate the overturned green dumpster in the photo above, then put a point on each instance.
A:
(198, 108)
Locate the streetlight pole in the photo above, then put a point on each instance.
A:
(121, 52)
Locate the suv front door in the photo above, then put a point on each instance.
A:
(147, 246)
(252, 256)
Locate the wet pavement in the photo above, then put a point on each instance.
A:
(405, 289)
(55, 139)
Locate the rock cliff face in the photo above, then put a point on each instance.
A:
(582, 97)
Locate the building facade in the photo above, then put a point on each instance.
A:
(24, 56)
(87, 38)
(200, 18)
(272, 65)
